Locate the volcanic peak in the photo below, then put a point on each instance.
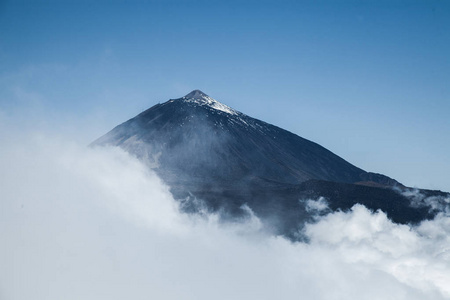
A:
(200, 98)
(197, 95)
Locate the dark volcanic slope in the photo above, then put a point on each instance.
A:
(197, 139)
(206, 150)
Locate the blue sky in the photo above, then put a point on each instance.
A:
(368, 80)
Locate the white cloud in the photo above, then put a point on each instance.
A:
(81, 223)
(417, 256)
(418, 199)
(317, 206)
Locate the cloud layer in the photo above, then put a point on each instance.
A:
(81, 223)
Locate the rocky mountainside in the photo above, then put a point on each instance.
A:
(210, 153)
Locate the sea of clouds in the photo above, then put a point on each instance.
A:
(94, 223)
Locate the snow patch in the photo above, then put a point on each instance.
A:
(205, 100)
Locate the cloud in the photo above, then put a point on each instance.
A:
(436, 203)
(317, 206)
(94, 223)
(416, 256)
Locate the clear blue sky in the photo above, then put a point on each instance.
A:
(369, 80)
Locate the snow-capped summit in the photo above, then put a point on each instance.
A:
(198, 97)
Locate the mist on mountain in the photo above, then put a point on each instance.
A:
(216, 158)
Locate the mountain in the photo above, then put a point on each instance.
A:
(212, 154)
(196, 138)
